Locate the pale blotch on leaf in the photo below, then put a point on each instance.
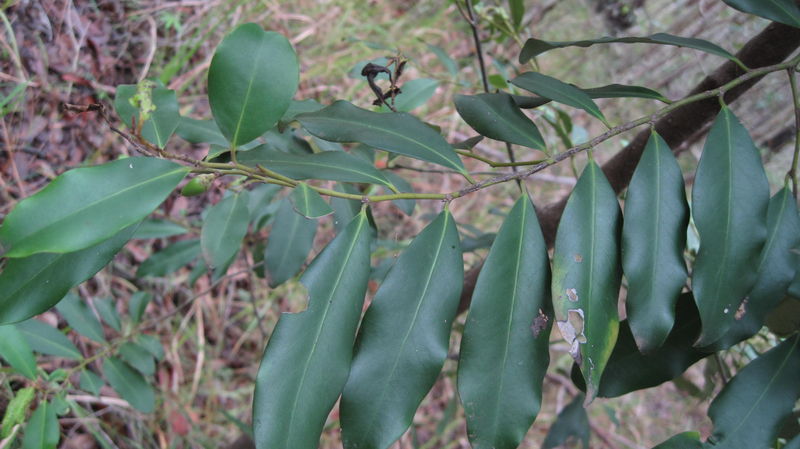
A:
(572, 331)
(572, 294)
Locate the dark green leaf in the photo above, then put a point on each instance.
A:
(46, 339)
(783, 11)
(468, 144)
(298, 107)
(43, 430)
(81, 318)
(506, 335)
(15, 350)
(729, 207)
(653, 240)
(290, 240)
(344, 210)
(86, 206)
(586, 274)
(163, 121)
(36, 283)
(170, 259)
(776, 268)
(108, 312)
(403, 339)
(558, 91)
(496, 116)
(414, 94)
(130, 385)
(396, 132)
(156, 229)
(91, 382)
(287, 141)
(200, 131)
(407, 205)
(609, 91)
(686, 440)
(138, 357)
(330, 165)
(535, 47)
(308, 203)
(572, 425)
(751, 409)
(794, 444)
(308, 356)
(261, 206)
(251, 81)
(16, 410)
(224, 228)
(151, 344)
(137, 305)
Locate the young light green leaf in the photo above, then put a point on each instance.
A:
(224, 228)
(685, 440)
(107, 309)
(307, 360)
(399, 133)
(138, 357)
(36, 283)
(46, 339)
(572, 425)
(163, 121)
(289, 242)
(86, 206)
(130, 385)
(330, 165)
(506, 335)
(16, 410)
(415, 93)
(587, 274)
(558, 91)
(308, 203)
(43, 430)
(783, 11)
(496, 116)
(200, 131)
(751, 409)
(170, 259)
(776, 268)
(403, 339)
(534, 47)
(91, 382)
(729, 207)
(16, 352)
(137, 304)
(81, 318)
(653, 241)
(252, 78)
(156, 229)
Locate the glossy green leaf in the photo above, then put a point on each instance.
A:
(85, 206)
(46, 339)
(81, 318)
(36, 283)
(496, 116)
(587, 272)
(163, 121)
(534, 47)
(224, 228)
(729, 207)
(298, 107)
(777, 266)
(42, 430)
(16, 410)
(16, 352)
(91, 382)
(414, 94)
(403, 339)
(653, 241)
(130, 385)
(330, 165)
(630, 370)
(290, 240)
(399, 133)
(252, 78)
(156, 229)
(170, 259)
(344, 210)
(558, 91)
(137, 305)
(609, 91)
(783, 11)
(685, 440)
(308, 203)
(751, 409)
(506, 336)
(307, 360)
(571, 426)
(405, 205)
(138, 357)
(200, 131)
(107, 309)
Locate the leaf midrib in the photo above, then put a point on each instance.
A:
(246, 100)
